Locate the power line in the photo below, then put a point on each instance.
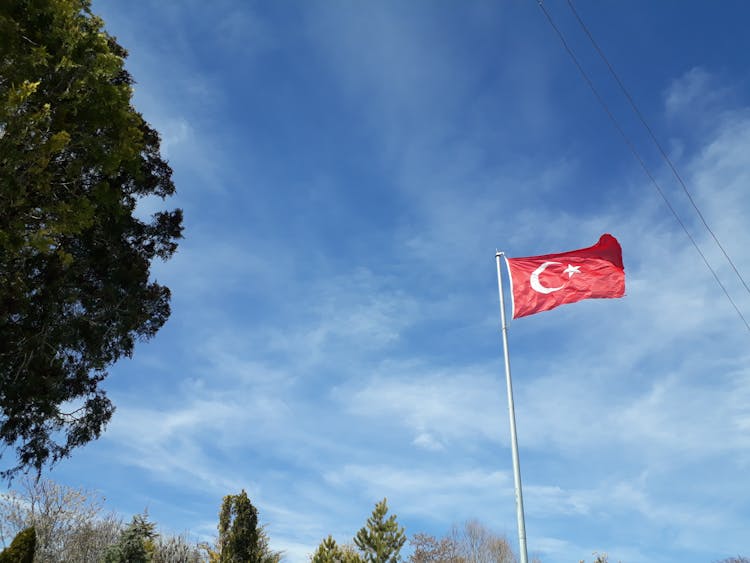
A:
(664, 154)
(637, 156)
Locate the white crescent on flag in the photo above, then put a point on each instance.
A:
(536, 285)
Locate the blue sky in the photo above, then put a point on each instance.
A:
(347, 171)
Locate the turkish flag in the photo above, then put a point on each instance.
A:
(541, 283)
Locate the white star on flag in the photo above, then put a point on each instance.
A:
(570, 270)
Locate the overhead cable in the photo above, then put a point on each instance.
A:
(664, 154)
(637, 156)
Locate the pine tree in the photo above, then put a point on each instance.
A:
(330, 552)
(136, 543)
(381, 539)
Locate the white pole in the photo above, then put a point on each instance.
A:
(512, 415)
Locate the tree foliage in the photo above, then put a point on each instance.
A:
(70, 523)
(599, 558)
(330, 552)
(75, 293)
(327, 551)
(136, 543)
(176, 549)
(21, 549)
(477, 544)
(429, 549)
(241, 538)
(381, 538)
(470, 543)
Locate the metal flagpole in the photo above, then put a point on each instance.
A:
(512, 415)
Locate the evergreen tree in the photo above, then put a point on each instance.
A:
(21, 549)
(75, 158)
(381, 539)
(330, 552)
(136, 543)
(241, 539)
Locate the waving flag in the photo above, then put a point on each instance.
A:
(541, 283)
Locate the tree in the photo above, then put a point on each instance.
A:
(428, 549)
(21, 549)
(330, 552)
(136, 543)
(75, 293)
(176, 549)
(477, 544)
(381, 539)
(470, 543)
(241, 539)
(70, 523)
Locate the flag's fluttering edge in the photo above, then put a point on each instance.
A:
(541, 283)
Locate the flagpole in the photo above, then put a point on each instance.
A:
(512, 415)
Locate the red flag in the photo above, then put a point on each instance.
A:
(541, 283)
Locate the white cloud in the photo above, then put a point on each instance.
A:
(321, 382)
(437, 406)
(428, 442)
(174, 132)
(696, 90)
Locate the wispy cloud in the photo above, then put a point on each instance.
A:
(695, 91)
(347, 175)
